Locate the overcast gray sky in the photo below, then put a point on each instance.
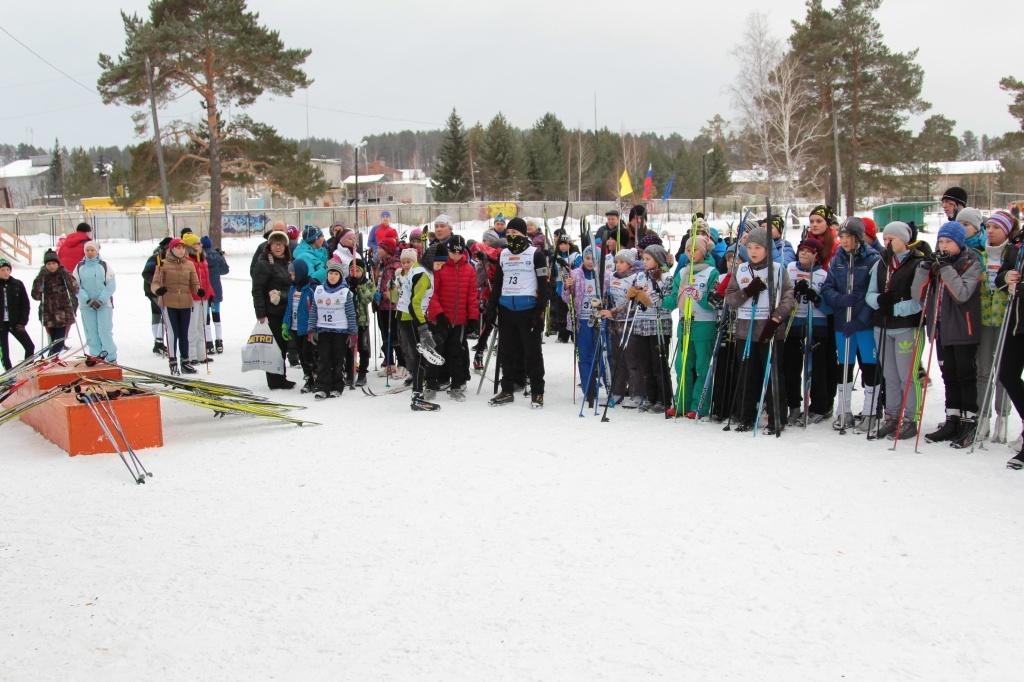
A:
(392, 64)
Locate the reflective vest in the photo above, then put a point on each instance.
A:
(816, 279)
(696, 291)
(330, 308)
(405, 289)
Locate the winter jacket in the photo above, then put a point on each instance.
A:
(836, 290)
(580, 293)
(58, 292)
(363, 290)
(72, 251)
(1013, 259)
(271, 275)
(455, 294)
(316, 260)
(389, 268)
(736, 298)
(298, 314)
(219, 267)
(906, 310)
(259, 256)
(203, 272)
(486, 265)
(96, 282)
(960, 302)
(350, 308)
(179, 277)
(148, 270)
(14, 303)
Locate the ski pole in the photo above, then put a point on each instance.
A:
(745, 367)
(487, 361)
(928, 369)
(626, 331)
(986, 407)
(105, 403)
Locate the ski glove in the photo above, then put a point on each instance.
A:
(886, 299)
(441, 324)
(95, 305)
(801, 288)
(770, 326)
(755, 287)
(286, 333)
(201, 293)
(426, 338)
(716, 299)
(812, 296)
(161, 291)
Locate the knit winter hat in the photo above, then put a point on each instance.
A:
(758, 236)
(517, 224)
(970, 216)
(898, 230)
(190, 239)
(870, 229)
(4, 263)
(855, 227)
(278, 236)
(311, 233)
(409, 253)
(649, 239)
(456, 243)
(83, 227)
(956, 194)
(658, 253)
(825, 212)
(1003, 220)
(497, 219)
(174, 243)
(300, 269)
(700, 243)
(293, 233)
(814, 244)
(626, 256)
(589, 251)
(443, 219)
(388, 245)
(954, 231)
(186, 230)
(50, 257)
(440, 255)
(206, 242)
(336, 266)
(93, 243)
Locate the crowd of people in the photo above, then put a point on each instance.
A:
(766, 336)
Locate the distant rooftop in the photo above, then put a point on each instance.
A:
(22, 168)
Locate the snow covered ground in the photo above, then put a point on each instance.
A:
(486, 543)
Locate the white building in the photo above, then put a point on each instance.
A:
(23, 182)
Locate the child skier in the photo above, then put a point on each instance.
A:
(1001, 229)
(57, 292)
(199, 350)
(454, 307)
(844, 291)
(415, 289)
(299, 324)
(175, 284)
(335, 314)
(387, 308)
(808, 343)
(952, 278)
(363, 290)
(617, 314)
(891, 294)
(647, 351)
(579, 294)
(759, 317)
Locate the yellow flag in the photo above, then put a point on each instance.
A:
(625, 186)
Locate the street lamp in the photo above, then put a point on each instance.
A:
(104, 169)
(704, 183)
(362, 143)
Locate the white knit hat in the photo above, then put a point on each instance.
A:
(409, 253)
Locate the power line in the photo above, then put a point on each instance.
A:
(359, 113)
(50, 64)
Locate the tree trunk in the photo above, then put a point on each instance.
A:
(213, 125)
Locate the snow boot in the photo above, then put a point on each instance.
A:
(502, 398)
(815, 418)
(361, 379)
(1017, 461)
(210, 348)
(537, 401)
(887, 428)
(322, 395)
(457, 393)
(907, 431)
(187, 367)
(999, 430)
(478, 360)
(159, 348)
(965, 435)
(948, 431)
(308, 384)
(174, 367)
(796, 417)
(418, 404)
(218, 345)
(843, 422)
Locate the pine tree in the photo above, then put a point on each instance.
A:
(500, 159)
(547, 163)
(451, 177)
(213, 48)
(55, 175)
(80, 180)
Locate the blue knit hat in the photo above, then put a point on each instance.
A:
(206, 242)
(311, 233)
(953, 231)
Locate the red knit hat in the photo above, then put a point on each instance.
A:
(814, 244)
(870, 229)
(388, 245)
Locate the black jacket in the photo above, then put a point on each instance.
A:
(14, 302)
(271, 274)
(1012, 258)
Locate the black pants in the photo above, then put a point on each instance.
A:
(823, 361)
(519, 350)
(21, 335)
(452, 344)
(413, 362)
(753, 380)
(960, 377)
(617, 356)
(363, 351)
(307, 355)
(559, 312)
(178, 320)
(648, 368)
(331, 348)
(1010, 370)
(726, 366)
(485, 334)
(57, 334)
(390, 346)
(277, 380)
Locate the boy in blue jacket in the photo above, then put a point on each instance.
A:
(334, 313)
(298, 320)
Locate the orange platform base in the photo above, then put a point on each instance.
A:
(71, 425)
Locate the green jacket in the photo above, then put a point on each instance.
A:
(993, 299)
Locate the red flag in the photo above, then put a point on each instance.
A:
(648, 182)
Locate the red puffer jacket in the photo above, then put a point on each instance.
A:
(72, 251)
(455, 293)
(203, 270)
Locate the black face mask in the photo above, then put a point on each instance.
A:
(517, 243)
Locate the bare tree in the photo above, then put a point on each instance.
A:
(777, 106)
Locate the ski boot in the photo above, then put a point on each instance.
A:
(843, 422)
(796, 418)
(907, 431)
(502, 398)
(308, 384)
(948, 431)
(478, 360)
(1017, 461)
(159, 348)
(175, 371)
(218, 345)
(322, 395)
(537, 401)
(457, 393)
(210, 349)
(187, 367)
(419, 404)
(965, 435)
(361, 379)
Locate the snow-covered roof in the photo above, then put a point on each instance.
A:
(363, 179)
(748, 175)
(984, 167)
(424, 182)
(22, 168)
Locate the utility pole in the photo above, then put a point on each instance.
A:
(835, 144)
(164, 193)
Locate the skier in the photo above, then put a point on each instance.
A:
(844, 291)
(891, 294)
(362, 291)
(616, 290)
(334, 313)
(759, 314)
(57, 292)
(72, 249)
(387, 310)
(299, 326)
(156, 316)
(1011, 364)
(486, 265)
(14, 313)
(519, 295)
(647, 350)
(96, 286)
(415, 289)
(808, 277)
(453, 307)
(1001, 229)
(219, 267)
(955, 273)
(581, 293)
(270, 285)
(176, 286)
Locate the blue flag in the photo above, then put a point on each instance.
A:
(668, 189)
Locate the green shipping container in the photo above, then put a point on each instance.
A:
(905, 211)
